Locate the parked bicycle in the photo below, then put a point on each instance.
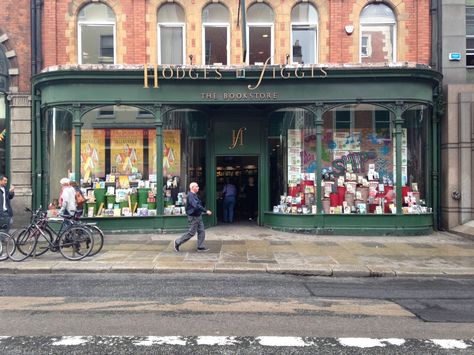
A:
(74, 242)
(96, 232)
(7, 242)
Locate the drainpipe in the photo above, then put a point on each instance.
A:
(36, 63)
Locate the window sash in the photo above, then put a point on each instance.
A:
(207, 54)
(309, 46)
(250, 43)
(83, 26)
(178, 55)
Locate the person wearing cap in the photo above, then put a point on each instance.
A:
(67, 198)
(6, 212)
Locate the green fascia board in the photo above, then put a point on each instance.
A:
(64, 87)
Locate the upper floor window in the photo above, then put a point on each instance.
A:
(96, 29)
(215, 23)
(470, 36)
(260, 20)
(171, 30)
(377, 34)
(304, 25)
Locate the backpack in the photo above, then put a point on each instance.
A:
(80, 199)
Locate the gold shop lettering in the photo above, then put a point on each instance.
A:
(238, 96)
(237, 138)
(153, 72)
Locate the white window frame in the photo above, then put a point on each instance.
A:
(215, 24)
(380, 22)
(94, 24)
(368, 46)
(394, 40)
(272, 44)
(313, 26)
(173, 25)
(469, 51)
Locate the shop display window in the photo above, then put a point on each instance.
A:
(59, 150)
(358, 161)
(119, 160)
(292, 146)
(416, 160)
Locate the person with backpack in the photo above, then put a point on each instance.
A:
(67, 198)
(80, 199)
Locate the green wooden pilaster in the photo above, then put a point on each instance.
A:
(159, 158)
(76, 125)
(435, 144)
(398, 154)
(211, 180)
(318, 121)
(263, 167)
(45, 184)
(36, 153)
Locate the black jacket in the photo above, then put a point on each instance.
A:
(9, 196)
(194, 205)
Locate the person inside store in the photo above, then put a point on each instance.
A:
(251, 194)
(229, 193)
(194, 210)
(67, 198)
(6, 214)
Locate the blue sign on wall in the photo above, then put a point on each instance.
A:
(455, 56)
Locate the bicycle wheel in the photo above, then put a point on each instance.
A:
(98, 237)
(76, 243)
(25, 243)
(43, 243)
(3, 239)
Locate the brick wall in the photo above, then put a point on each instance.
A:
(137, 30)
(15, 38)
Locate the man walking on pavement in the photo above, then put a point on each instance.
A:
(6, 212)
(194, 210)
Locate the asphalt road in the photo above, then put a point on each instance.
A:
(246, 306)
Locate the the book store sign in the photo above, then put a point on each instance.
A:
(154, 74)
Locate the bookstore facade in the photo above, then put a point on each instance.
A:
(336, 150)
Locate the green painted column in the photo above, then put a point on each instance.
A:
(435, 146)
(45, 185)
(37, 177)
(318, 121)
(77, 124)
(159, 159)
(264, 188)
(398, 154)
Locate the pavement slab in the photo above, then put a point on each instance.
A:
(252, 249)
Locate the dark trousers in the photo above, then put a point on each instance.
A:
(6, 222)
(195, 225)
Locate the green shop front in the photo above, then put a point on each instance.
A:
(322, 150)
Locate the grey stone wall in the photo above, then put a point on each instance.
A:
(457, 158)
(20, 156)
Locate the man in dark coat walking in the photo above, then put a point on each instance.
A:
(194, 210)
(6, 212)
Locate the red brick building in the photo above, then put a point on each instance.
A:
(353, 77)
(15, 100)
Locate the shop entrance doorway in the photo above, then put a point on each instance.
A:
(242, 172)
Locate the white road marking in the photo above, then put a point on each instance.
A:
(450, 343)
(171, 340)
(216, 340)
(361, 342)
(71, 340)
(282, 341)
(267, 341)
